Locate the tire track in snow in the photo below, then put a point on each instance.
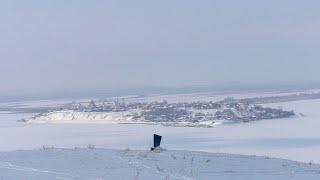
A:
(10, 166)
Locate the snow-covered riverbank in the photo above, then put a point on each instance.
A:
(128, 164)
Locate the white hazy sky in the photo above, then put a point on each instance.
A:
(61, 44)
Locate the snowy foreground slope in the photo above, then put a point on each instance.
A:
(128, 164)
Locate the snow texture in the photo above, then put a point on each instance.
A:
(127, 164)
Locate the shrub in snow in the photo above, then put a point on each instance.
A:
(90, 146)
(46, 147)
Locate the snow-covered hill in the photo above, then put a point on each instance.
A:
(69, 116)
(127, 164)
(81, 117)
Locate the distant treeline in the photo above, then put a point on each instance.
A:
(278, 99)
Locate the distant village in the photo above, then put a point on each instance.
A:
(193, 112)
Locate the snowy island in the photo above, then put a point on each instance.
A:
(195, 114)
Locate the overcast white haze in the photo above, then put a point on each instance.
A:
(81, 44)
(84, 85)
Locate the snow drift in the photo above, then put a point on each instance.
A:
(127, 164)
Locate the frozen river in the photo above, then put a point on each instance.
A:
(296, 138)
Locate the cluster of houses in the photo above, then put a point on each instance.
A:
(228, 109)
(105, 106)
(252, 113)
